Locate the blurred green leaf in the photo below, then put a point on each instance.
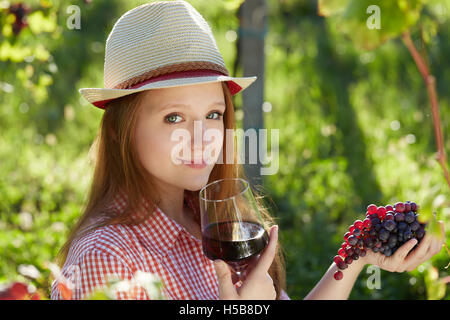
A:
(331, 7)
(355, 19)
(39, 23)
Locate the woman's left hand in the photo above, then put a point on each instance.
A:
(404, 260)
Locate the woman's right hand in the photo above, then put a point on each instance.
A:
(258, 284)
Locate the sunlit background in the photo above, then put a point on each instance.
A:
(353, 112)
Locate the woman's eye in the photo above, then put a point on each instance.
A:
(218, 117)
(172, 118)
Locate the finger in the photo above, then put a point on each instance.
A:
(419, 254)
(435, 247)
(423, 247)
(437, 241)
(402, 252)
(226, 287)
(267, 256)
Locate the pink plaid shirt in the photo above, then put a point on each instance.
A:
(159, 246)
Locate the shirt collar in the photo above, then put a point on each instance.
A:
(158, 232)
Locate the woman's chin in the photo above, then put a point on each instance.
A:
(194, 182)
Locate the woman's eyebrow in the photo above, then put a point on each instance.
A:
(171, 105)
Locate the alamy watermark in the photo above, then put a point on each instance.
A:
(208, 149)
(374, 20)
(73, 21)
(374, 280)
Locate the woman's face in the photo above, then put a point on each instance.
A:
(165, 133)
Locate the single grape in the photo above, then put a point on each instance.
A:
(389, 216)
(337, 259)
(352, 240)
(381, 212)
(362, 253)
(413, 206)
(389, 208)
(414, 226)
(368, 242)
(383, 235)
(399, 207)
(342, 265)
(420, 233)
(367, 223)
(390, 225)
(399, 216)
(355, 256)
(410, 217)
(342, 252)
(350, 251)
(338, 275)
(387, 252)
(358, 224)
(372, 208)
(407, 206)
(348, 260)
(407, 235)
(356, 232)
(392, 242)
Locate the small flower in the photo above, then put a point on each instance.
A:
(28, 270)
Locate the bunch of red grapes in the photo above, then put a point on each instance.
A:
(384, 230)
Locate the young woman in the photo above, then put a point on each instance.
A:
(163, 73)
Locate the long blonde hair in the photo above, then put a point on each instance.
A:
(115, 151)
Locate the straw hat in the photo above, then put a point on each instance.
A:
(160, 44)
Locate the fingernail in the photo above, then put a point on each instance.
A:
(275, 229)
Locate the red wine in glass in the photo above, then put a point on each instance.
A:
(232, 226)
(235, 242)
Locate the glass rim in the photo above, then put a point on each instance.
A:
(247, 185)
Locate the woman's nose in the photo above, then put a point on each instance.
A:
(199, 139)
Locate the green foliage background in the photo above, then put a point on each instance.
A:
(355, 128)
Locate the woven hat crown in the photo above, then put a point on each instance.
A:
(159, 38)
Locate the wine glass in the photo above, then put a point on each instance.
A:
(232, 227)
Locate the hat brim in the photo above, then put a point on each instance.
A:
(99, 97)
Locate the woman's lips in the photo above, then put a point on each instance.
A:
(196, 164)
